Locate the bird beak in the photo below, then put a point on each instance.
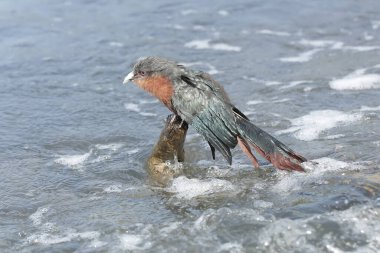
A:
(128, 78)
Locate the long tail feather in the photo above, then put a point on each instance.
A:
(277, 153)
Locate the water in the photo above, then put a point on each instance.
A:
(74, 140)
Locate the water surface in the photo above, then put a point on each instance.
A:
(74, 140)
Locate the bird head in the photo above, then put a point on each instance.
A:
(156, 75)
(152, 67)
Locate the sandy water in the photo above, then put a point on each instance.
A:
(74, 140)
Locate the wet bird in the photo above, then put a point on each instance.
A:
(202, 102)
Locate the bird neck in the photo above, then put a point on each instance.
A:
(159, 86)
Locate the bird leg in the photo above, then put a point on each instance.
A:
(247, 150)
(181, 124)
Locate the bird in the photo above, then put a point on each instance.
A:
(202, 102)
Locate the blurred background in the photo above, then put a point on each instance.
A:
(74, 140)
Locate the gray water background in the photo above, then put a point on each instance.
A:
(74, 140)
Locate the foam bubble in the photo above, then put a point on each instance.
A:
(133, 151)
(334, 136)
(132, 242)
(254, 102)
(111, 146)
(358, 224)
(295, 83)
(113, 188)
(136, 108)
(272, 83)
(375, 24)
(187, 188)
(310, 126)
(361, 48)
(319, 43)
(271, 32)
(335, 45)
(223, 13)
(367, 36)
(357, 80)
(37, 216)
(188, 12)
(211, 68)
(48, 239)
(315, 169)
(206, 44)
(303, 57)
(368, 108)
(116, 44)
(233, 247)
(117, 188)
(132, 107)
(73, 160)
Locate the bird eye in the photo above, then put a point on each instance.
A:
(141, 73)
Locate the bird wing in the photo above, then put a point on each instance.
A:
(202, 102)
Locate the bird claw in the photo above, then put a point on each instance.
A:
(173, 118)
(181, 124)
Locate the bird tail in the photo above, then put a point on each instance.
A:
(277, 153)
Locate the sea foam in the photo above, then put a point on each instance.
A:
(310, 126)
(302, 57)
(357, 80)
(73, 160)
(186, 188)
(315, 169)
(207, 44)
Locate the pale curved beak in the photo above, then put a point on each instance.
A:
(128, 78)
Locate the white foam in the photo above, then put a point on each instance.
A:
(178, 27)
(111, 146)
(148, 114)
(136, 108)
(199, 28)
(335, 45)
(73, 160)
(132, 242)
(303, 57)
(357, 80)
(118, 188)
(271, 32)
(295, 181)
(223, 13)
(171, 227)
(206, 44)
(361, 48)
(48, 239)
(310, 126)
(254, 102)
(369, 109)
(211, 68)
(368, 37)
(334, 136)
(148, 101)
(37, 216)
(319, 43)
(294, 83)
(114, 188)
(187, 188)
(188, 12)
(281, 100)
(116, 44)
(375, 24)
(272, 83)
(133, 151)
(132, 107)
(233, 247)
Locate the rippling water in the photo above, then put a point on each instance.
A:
(74, 140)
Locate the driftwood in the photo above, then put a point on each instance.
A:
(168, 150)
